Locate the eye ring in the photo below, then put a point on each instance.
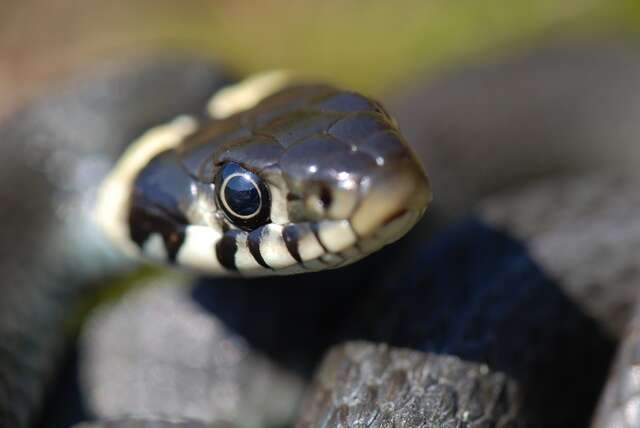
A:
(224, 200)
(242, 196)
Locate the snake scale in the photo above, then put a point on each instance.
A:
(415, 339)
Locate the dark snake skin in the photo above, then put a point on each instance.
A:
(49, 255)
(426, 375)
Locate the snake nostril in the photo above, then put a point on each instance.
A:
(326, 198)
(318, 200)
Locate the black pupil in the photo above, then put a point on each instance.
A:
(242, 196)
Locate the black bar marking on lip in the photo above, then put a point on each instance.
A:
(316, 232)
(291, 237)
(173, 242)
(158, 193)
(226, 249)
(253, 242)
(146, 220)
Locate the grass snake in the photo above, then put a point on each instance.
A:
(401, 352)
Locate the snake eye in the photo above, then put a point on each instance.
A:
(243, 196)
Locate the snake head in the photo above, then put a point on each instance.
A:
(289, 179)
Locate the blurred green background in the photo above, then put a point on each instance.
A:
(372, 46)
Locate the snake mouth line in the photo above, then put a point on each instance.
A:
(271, 249)
(275, 249)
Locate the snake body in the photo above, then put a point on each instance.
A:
(52, 255)
(455, 345)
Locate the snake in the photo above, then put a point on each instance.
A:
(308, 178)
(314, 191)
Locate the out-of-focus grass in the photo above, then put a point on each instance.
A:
(372, 45)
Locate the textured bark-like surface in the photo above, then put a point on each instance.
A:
(54, 153)
(620, 403)
(362, 384)
(147, 423)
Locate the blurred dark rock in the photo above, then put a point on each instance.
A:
(563, 108)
